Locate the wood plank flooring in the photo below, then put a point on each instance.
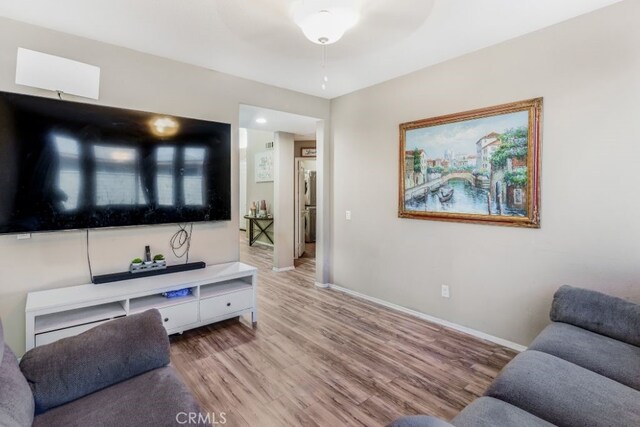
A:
(321, 357)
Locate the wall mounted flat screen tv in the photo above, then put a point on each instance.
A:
(67, 165)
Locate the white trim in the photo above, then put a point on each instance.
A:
(423, 316)
(280, 270)
(323, 285)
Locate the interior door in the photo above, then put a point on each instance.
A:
(300, 209)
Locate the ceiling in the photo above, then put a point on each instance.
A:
(303, 127)
(257, 39)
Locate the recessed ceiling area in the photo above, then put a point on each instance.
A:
(258, 39)
(303, 127)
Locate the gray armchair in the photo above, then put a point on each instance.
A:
(114, 374)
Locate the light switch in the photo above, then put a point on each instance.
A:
(348, 215)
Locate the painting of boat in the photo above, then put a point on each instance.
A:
(480, 166)
(445, 194)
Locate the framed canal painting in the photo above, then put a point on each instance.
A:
(480, 166)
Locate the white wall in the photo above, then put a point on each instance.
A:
(502, 279)
(256, 191)
(283, 206)
(134, 80)
(256, 140)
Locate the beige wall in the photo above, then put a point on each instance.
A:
(139, 81)
(502, 279)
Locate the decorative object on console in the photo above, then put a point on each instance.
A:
(156, 263)
(147, 266)
(263, 209)
(480, 166)
(253, 209)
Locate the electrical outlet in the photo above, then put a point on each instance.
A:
(348, 215)
(24, 236)
(445, 291)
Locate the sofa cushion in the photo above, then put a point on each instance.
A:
(606, 356)
(73, 367)
(490, 412)
(152, 399)
(16, 400)
(597, 312)
(419, 421)
(1, 341)
(565, 394)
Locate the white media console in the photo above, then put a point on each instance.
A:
(218, 292)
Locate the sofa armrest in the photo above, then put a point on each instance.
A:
(419, 421)
(73, 367)
(597, 312)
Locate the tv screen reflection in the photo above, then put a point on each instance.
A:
(118, 175)
(68, 165)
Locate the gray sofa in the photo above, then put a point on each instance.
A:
(582, 370)
(115, 374)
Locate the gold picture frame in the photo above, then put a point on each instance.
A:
(480, 166)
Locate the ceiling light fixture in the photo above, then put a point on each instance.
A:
(261, 120)
(325, 21)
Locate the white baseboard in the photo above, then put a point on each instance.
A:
(323, 285)
(466, 330)
(280, 270)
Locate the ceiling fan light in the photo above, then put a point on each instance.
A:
(322, 27)
(325, 22)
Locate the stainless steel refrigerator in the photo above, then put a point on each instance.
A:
(310, 206)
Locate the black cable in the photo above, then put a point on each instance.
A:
(89, 259)
(179, 240)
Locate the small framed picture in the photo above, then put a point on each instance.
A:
(308, 152)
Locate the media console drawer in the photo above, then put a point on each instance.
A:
(177, 316)
(49, 337)
(224, 304)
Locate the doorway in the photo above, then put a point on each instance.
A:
(286, 229)
(306, 204)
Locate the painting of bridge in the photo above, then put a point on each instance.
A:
(477, 166)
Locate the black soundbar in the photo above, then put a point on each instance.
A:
(127, 275)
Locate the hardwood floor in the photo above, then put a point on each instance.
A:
(321, 357)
